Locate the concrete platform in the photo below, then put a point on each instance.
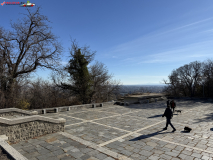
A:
(127, 133)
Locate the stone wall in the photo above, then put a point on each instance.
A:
(144, 101)
(32, 125)
(160, 99)
(151, 100)
(24, 131)
(65, 108)
(13, 114)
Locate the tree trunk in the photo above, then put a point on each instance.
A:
(9, 99)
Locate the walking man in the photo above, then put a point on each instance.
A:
(168, 114)
(168, 103)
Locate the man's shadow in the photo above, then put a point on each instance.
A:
(155, 116)
(149, 135)
(159, 115)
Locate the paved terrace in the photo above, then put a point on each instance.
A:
(127, 132)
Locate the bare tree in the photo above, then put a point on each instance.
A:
(207, 78)
(184, 80)
(190, 75)
(43, 94)
(104, 87)
(30, 45)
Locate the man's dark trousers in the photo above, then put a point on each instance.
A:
(168, 121)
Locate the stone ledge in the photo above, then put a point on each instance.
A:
(68, 108)
(18, 110)
(30, 118)
(11, 151)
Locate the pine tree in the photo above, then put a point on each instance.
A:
(79, 77)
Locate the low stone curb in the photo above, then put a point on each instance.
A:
(11, 151)
(68, 108)
(18, 110)
(94, 146)
(29, 119)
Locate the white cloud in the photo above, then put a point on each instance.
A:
(187, 52)
(128, 59)
(147, 76)
(208, 31)
(185, 26)
(154, 38)
(63, 63)
(199, 55)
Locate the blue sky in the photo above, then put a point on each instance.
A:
(140, 41)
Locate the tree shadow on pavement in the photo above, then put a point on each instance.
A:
(207, 118)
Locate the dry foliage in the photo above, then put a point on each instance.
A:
(194, 79)
(28, 46)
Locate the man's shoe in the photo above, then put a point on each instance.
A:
(174, 130)
(165, 129)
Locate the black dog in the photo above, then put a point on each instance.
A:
(187, 129)
(178, 111)
(117, 103)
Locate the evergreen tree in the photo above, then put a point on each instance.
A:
(79, 77)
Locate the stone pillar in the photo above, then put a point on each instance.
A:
(44, 111)
(68, 109)
(93, 105)
(101, 105)
(56, 110)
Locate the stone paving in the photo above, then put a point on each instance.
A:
(127, 133)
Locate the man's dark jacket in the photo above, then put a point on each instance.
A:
(168, 102)
(168, 113)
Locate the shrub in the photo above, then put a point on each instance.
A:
(23, 104)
